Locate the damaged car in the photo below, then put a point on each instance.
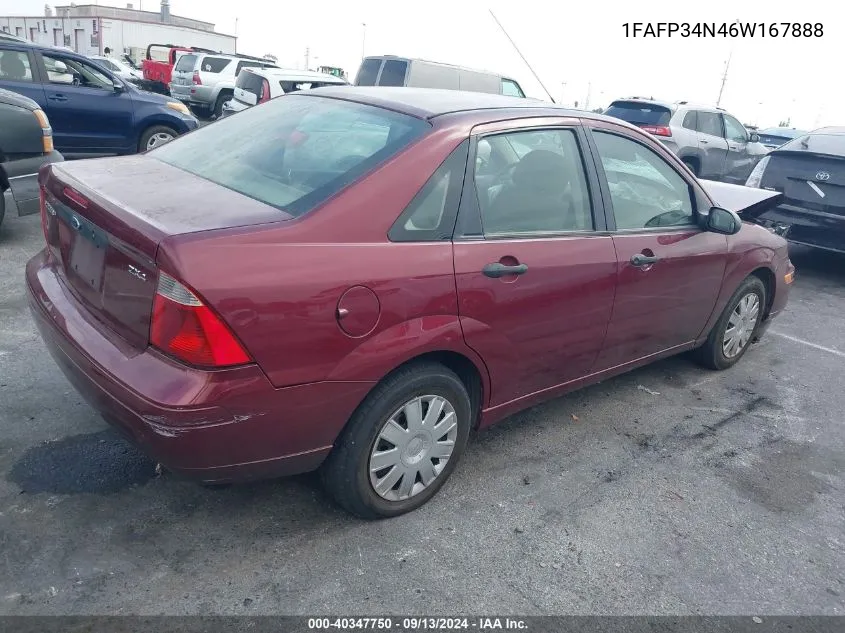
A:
(383, 271)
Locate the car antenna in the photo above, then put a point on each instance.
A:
(516, 48)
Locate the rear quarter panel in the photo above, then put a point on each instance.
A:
(278, 285)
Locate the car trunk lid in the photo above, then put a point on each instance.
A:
(810, 180)
(107, 218)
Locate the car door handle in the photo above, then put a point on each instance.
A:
(643, 260)
(703, 142)
(734, 147)
(57, 98)
(497, 269)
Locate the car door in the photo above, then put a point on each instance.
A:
(18, 73)
(712, 146)
(535, 274)
(670, 270)
(739, 161)
(87, 114)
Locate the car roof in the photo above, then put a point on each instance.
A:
(428, 103)
(294, 74)
(13, 98)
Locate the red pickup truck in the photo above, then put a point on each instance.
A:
(157, 73)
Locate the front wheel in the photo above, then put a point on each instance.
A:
(156, 136)
(734, 331)
(401, 444)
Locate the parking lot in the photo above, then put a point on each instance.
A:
(670, 490)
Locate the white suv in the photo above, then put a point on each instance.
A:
(257, 85)
(206, 81)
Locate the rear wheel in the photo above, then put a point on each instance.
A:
(401, 444)
(222, 99)
(156, 136)
(734, 331)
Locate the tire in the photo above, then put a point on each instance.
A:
(2, 206)
(222, 98)
(713, 353)
(346, 472)
(693, 167)
(155, 132)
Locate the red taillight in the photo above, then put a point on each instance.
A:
(196, 78)
(183, 327)
(45, 221)
(657, 130)
(265, 91)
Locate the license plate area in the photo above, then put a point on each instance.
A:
(86, 251)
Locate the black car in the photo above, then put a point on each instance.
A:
(810, 172)
(773, 137)
(26, 143)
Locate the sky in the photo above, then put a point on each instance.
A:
(578, 50)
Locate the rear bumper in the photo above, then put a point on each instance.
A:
(216, 426)
(193, 95)
(810, 228)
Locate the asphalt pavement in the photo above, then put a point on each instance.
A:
(670, 490)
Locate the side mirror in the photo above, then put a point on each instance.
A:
(755, 138)
(723, 221)
(118, 86)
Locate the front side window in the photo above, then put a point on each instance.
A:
(734, 130)
(532, 182)
(646, 192)
(67, 71)
(293, 153)
(14, 66)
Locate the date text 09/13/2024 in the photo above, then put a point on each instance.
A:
(420, 623)
(724, 29)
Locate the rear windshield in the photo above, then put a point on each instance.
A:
(186, 62)
(250, 82)
(293, 152)
(643, 113)
(832, 144)
(368, 72)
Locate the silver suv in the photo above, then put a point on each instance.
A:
(711, 142)
(206, 81)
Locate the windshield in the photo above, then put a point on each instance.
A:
(642, 113)
(295, 151)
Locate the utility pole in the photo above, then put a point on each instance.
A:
(724, 78)
(364, 40)
(562, 92)
(589, 90)
(307, 57)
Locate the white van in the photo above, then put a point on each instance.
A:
(257, 85)
(389, 70)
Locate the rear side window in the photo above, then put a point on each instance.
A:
(293, 153)
(691, 121)
(185, 63)
(214, 64)
(640, 113)
(393, 73)
(431, 215)
(14, 66)
(710, 123)
(511, 88)
(368, 72)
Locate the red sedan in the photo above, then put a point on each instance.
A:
(353, 279)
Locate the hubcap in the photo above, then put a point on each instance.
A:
(159, 139)
(741, 325)
(413, 447)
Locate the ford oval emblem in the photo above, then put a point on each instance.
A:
(75, 222)
(822, 175)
